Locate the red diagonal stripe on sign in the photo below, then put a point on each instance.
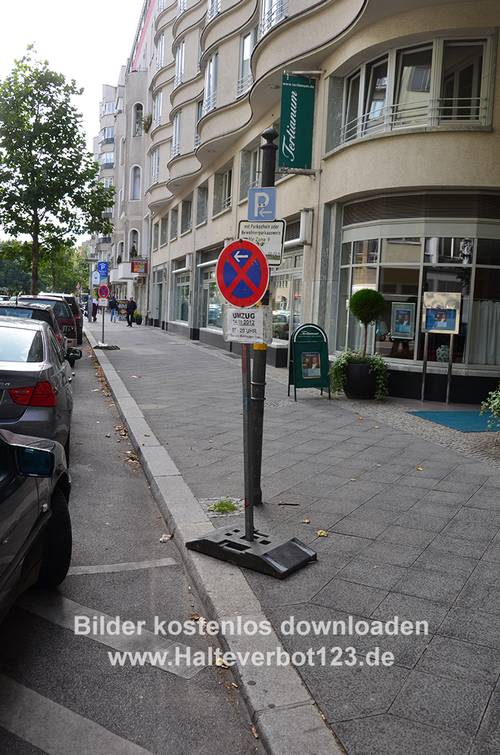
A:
(241, 274)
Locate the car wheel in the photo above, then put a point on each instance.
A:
(67, 447)
(57, 550)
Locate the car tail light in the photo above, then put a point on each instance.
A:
(41, 394)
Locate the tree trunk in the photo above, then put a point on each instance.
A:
(365, 344)
(35, 255)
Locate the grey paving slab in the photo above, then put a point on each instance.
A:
(488, 737)
(412, 608)
(349, 596)
(444, 703)
(369, 573)
(460, 660)
(433, 585)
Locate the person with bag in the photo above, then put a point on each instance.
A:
(131, 307)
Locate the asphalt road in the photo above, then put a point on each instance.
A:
(59, 693)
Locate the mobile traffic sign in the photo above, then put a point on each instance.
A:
(103, 291)
(269, 235)
(242, 273)
(262, 203)
(248, 325)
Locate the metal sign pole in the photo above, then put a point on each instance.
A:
(450, 367)
(247, 455)
(102, 339)
(424, 365)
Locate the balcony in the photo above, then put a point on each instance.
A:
(276, 13)
(209, 103)
(213, 9)
(460, 113)
(244, 84)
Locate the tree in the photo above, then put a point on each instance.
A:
(61, 268)
(49, 189)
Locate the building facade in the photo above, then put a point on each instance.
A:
(404, 191)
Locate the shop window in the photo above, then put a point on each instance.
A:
(182, 290)
(362, 277)
(396, 329)
(285, 288)
(365, 252)
(448, 279)
(212, 302)
(401, 250)
(488, 252)
(448, 251)
(485, 331)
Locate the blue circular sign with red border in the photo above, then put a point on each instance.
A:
(242, 273)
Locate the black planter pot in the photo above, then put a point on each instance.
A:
(360, 382)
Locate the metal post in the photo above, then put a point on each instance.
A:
(424, 365)
(102, 339)
(247, 468)
(269, 149)
(450, 366)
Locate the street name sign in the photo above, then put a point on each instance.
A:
(249, 325)
(268, 235)
(242, 273)
(262, 203)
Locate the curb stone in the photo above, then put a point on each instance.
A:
(286, 716)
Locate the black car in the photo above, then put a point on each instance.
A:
(35, 526)
(32, 310)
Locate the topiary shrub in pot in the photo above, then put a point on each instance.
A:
(138, 317)
(358, 374)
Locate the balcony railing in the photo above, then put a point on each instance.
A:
(441, 112)
(244, 83)
(274, 14)
(175, 149)
(197, 140)
(209, 103)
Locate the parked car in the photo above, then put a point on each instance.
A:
(62, 312)
(35, 526)
(75, 309)
(35, 394)
(4, 298)
(35, 311)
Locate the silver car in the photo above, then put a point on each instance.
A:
(35, 394)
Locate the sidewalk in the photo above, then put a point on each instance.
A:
(413, 530)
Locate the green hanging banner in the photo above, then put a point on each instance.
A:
(296, 122)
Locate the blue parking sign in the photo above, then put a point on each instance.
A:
(102, 269)
(262, 203)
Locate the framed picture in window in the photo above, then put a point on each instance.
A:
(441, 312)
(403, 321)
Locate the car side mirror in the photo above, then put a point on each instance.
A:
(34, 462)
(73, 353)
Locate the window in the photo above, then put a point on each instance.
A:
(135, 183)
(272, 12)
(461, 85)
(181, 6)
(164, 230)
(187, 214)
(134, 243)
(108, 135)
(174, 222)
(212, 302)
(107, 108)
(246, 46)
(157, 107)
(222, 190)
(155, 165)
(160, 51)
(138, 120)
(250, 170)
(210, 96)
(213, 9)
(179, 63)
(18, 345)
(175, 147)
(285, 287)
(199, 116)
(441, 81)
(202, 204)
(107, 182)
(376, 94)
(155, 236)
(108, 159)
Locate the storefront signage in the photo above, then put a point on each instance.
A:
(249, 325)
(139, 266)
(296, 122)
(308, 361)
(242, 273)
(441, 312)
(268, 235)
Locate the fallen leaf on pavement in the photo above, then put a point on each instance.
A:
(108, 435)
(195, 616)
(254, 731)
(306, 521)
(165, 538)
(419, 468)
(221, 662)
(322, 533)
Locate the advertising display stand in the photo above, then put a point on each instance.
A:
(308, 363)
(441, 316)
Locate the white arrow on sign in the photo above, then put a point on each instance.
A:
(239, 255)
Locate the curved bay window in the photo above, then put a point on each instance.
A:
(403, 269)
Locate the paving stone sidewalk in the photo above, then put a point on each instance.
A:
(413, 530)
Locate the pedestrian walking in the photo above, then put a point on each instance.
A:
(94, 309)
(113, 308)
(131, 307)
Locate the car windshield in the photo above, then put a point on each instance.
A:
(60, 308)
(18, 345)
(16, 312)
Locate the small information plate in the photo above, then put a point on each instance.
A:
(269, 235)
(102, 302)
(249, 325)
